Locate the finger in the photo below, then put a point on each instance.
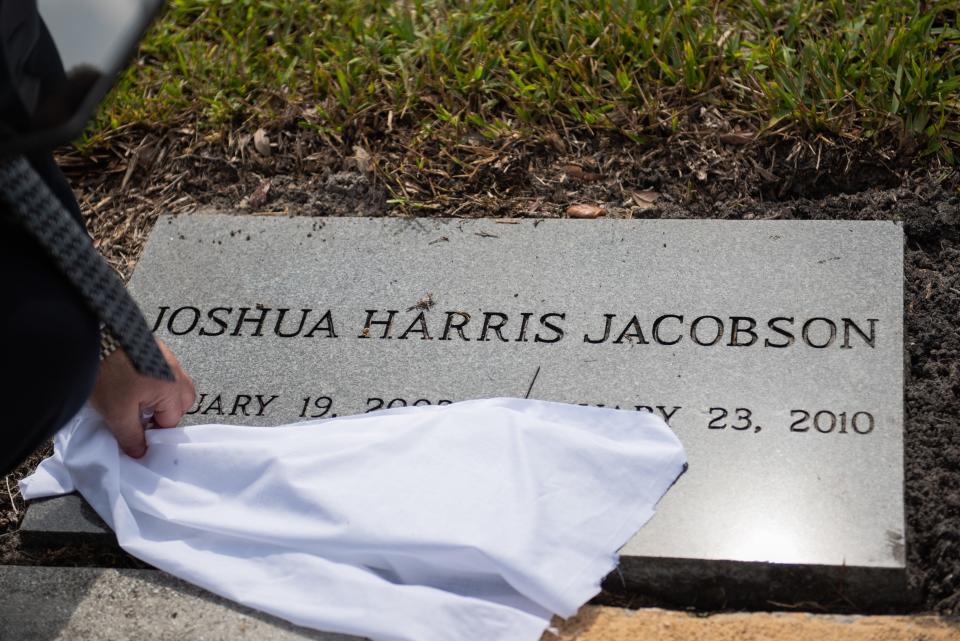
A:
(168, 411)
(188, 392)
(185, 389)
(128, 431)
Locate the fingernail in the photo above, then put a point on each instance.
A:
(138, 453)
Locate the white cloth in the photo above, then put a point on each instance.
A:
(475, 520)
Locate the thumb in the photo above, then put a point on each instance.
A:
(128, 431)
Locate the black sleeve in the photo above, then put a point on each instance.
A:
(49, 342)
(29, 63)
(48, 337)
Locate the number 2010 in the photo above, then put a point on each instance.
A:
(825, 422)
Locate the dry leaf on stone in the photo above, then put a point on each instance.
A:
(424, 303)
(645, 199)
(261, 142)
(585, 211)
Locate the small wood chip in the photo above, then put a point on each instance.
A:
(645, 199)
(261, 142)
(575, 172)
(738, 138)
(361, 157)
(131, 167)
(259, 196)
(555, 141)
(242, 141)
(585, 211)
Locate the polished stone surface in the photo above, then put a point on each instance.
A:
(66, 520)
(791, 414)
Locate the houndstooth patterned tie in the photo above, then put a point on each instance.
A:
(44, 217)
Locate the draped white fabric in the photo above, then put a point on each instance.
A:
(476, 520)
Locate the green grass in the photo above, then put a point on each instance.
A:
(858, 70)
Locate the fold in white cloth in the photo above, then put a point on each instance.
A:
(476, 520)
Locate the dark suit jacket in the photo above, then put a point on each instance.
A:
(48, 361)
(29, 63)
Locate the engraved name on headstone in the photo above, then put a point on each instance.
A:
(773, 349)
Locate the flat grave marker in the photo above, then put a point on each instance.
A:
(772, 348)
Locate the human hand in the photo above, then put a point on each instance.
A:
(121, 394)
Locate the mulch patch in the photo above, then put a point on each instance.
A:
(696, 174)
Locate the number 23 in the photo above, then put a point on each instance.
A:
(742, 423)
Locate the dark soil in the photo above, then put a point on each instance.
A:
(694, 175)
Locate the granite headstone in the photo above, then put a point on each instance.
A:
(772, 348)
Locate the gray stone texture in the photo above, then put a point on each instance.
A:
(782, 490)
(66, 520)
(81, 604)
